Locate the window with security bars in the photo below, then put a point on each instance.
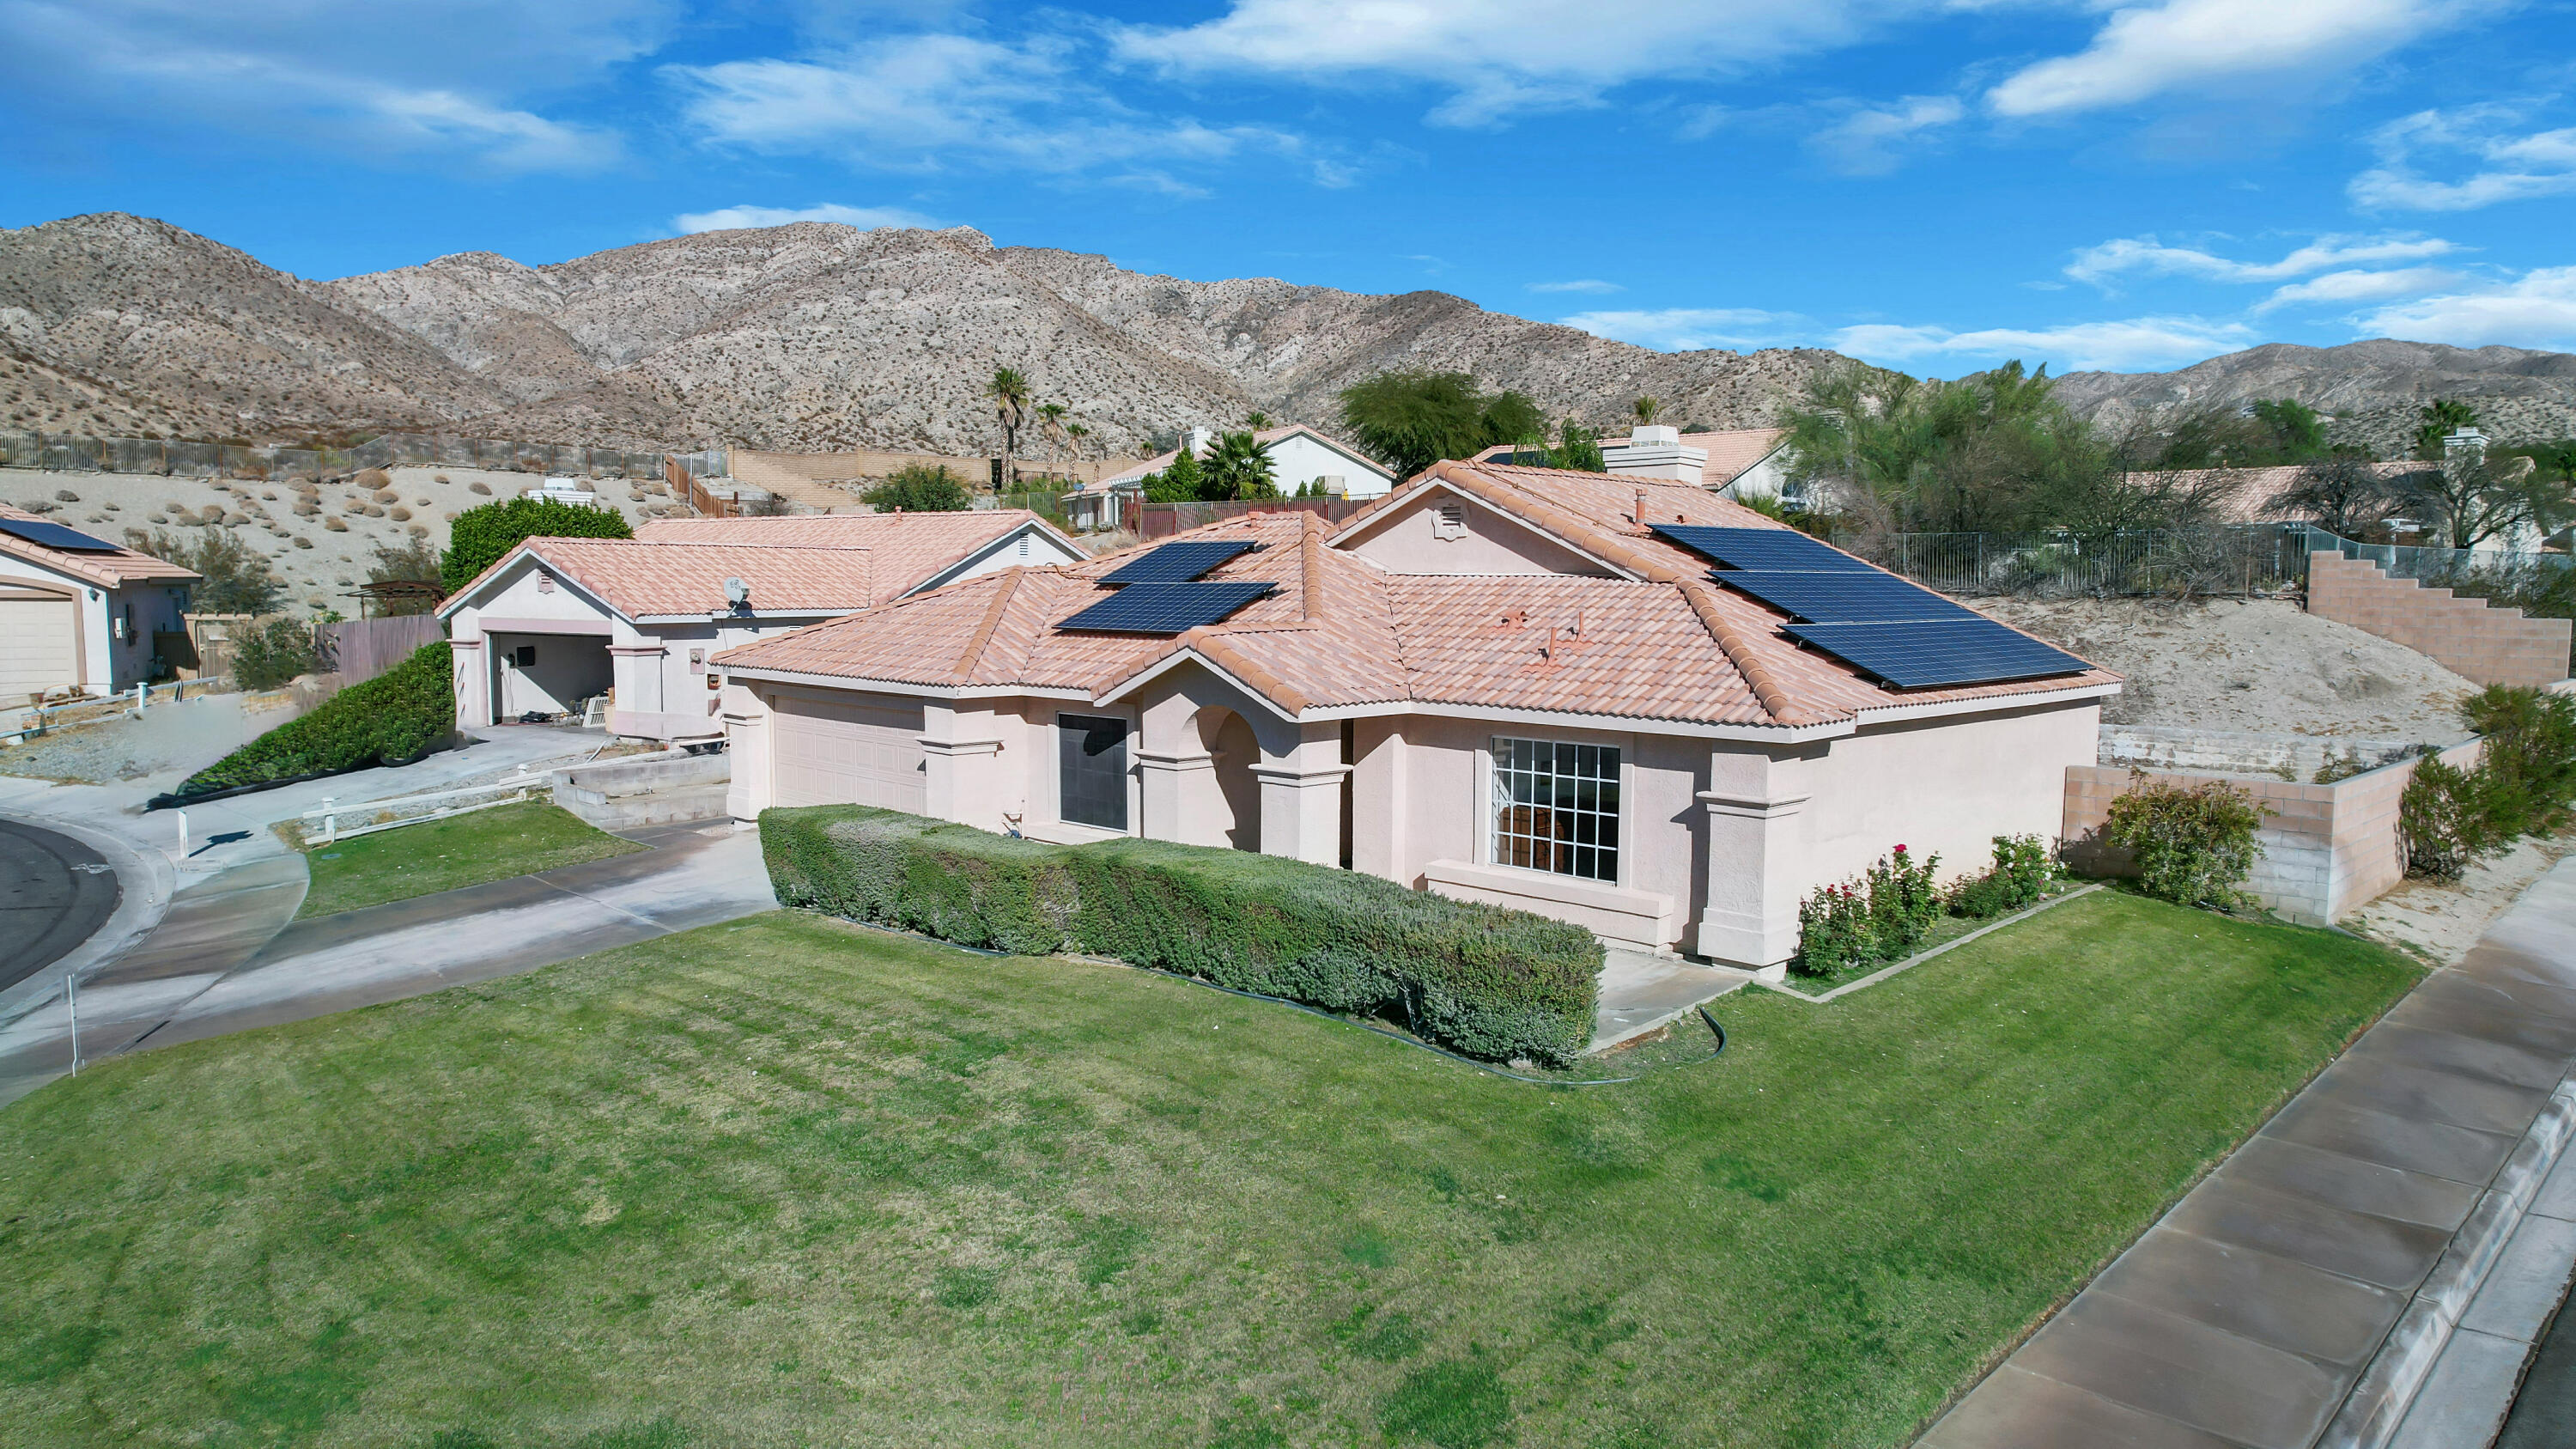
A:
(1556, 807)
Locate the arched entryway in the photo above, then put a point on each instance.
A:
(1233, 750)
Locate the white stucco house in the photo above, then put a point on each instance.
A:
(1299, 455)
(1500, 683)
(78, 612)
(560, 621)
(1737, 463)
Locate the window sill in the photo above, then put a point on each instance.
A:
(1065, 832)
(1642, 917)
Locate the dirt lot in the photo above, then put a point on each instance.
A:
(2258, 666)
(321, 571)
(2440, 922)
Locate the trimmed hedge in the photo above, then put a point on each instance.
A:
(392, 719)
(1483, 980)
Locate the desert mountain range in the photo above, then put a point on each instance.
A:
(817, 336)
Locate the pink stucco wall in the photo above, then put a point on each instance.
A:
(1405, 542)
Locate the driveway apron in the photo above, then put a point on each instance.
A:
(2298, 1296)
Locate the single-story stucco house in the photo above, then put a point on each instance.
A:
(561, 620)
(1500, 684)
(79, 612)
(1299, 455)
(1736, 463)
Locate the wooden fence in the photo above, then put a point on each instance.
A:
(687, 489)
(357, 649)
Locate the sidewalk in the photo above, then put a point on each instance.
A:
(2301, 1295)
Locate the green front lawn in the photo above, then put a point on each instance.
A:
(463, 850)
(791, 1182)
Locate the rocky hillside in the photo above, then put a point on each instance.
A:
(2375, 389)
(805, 337)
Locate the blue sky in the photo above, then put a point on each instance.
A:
(1930, 184)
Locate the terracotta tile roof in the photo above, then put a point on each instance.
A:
(1732, 451)
(107, 570)
(640, 580)
(910, 548)
(1339, 631)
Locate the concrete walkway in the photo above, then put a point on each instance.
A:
(226, 958)
(1640, 992)
(2300, 1295)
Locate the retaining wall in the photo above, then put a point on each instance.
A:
(646, 790)
(2327, 849)
(2469, 637)
(2160, 747)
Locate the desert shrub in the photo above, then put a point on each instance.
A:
(920, 488)
(267, 655)
(2023, 871)
(2193, 846)
(2442, 822)
(392, 719)
(1484, 980)
(2529, 762)
(480, 537)
(236, 576)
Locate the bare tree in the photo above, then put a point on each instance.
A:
(2471, 500)
(2343, 495)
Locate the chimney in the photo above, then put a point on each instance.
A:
(1197, 440)
(1656, 451)
(2467, 443)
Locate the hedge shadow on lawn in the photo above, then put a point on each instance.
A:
(1485, 981)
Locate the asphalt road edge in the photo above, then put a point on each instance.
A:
(145, 880)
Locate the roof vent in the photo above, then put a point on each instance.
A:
(1449, 520)
(1656, 452)
(737, 592)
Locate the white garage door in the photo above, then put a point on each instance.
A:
(35, 648)
(848, 752)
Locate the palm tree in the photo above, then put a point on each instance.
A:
(2442, 417)
(1009, 392)
(1646, 409)
(1076, 432)
(1256, 420)
(1237, 467)
(1051, 421)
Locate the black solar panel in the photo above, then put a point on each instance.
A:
(1938, 652)
(1757, 548)
(1175, 563)
(54, 535)
(1842, 597)
(1167, 608)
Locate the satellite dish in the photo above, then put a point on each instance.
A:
(737, 593)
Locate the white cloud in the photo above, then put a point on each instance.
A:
(916, 101)
(735, 218)
(444, 78)
(1498, 57)
(1866, 142)
(2098, 264)
(1688, 329)
(2537, 309)
(2137, 343)
(2348, 287)
(2146, 50)
(1587, 284)
(2504, 166)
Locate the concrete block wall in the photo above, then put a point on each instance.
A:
(2327, 849)
(2469, 637)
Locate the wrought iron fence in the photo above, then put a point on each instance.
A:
(2240, 559)
(69, 453)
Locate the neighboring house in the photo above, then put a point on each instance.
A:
(78, 612)
(1738, 463)
(1496, 684)
(559, 621)
(1299, 455)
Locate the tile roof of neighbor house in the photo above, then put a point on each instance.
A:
(645, 580)
(1730, 452)
(910, 548)
(1265, 436)
(107, 570)
(1662, 644)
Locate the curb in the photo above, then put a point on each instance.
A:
(2377, 1405)
(146, 880)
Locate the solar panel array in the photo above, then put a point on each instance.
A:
(1167, 608)
(1875, 621)
(1759, 548)
(1175, 563)
(1935, 652)
(54, 535)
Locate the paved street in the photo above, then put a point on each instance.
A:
(54, 892)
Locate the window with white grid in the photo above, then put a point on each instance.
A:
(1556, 807)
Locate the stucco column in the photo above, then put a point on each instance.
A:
(473, 674)
(747, 727)
(1749, 911)
(1301, 797)
(1378, 845)
(960, 758)
(1180, 797)
(636, 671)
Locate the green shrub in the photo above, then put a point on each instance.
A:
(267, 655)
(396, 717)
(920, 488)
(2529, 761)
(1833, 930)
(2192, 846)
(1882, 914)
(482, 537)
(2023, 872)
(1483, 980)
(2442, 823)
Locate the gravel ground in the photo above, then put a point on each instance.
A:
(331, 563)
(186, 736)
(2258, 666)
